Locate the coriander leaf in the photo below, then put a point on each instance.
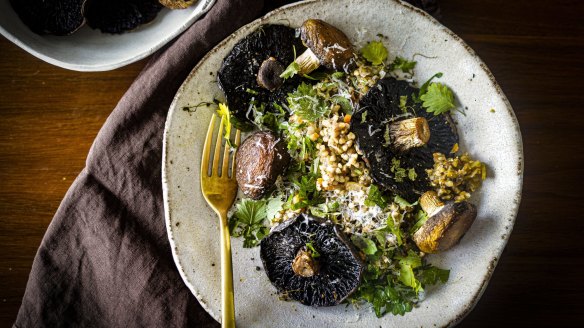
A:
(248, 221)
(438, 99)
(374, 52)
(305, 103)
(290, 71)
(403, 64)
(407, 277)
(424, 87)
(375, 197)
(364, 244)
(431, 275)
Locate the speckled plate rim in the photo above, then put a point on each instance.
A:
(510, 220)
(114, 61)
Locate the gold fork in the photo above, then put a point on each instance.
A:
(219, 189)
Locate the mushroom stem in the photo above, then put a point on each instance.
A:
(430, 203)
(410, 133)
(307, 62)
(304, 264)
(269, 74)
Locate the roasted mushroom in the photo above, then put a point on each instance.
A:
(327, 46)
(259, 160)
(237, 76)
(58, 17)
(119, 16)
(446, 225)
(311, 261)
(178, 4)
(398, 138)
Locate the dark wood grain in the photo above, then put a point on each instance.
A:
(49, 117)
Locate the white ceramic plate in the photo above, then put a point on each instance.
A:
(489, 131)
(91, 50)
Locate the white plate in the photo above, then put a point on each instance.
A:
(90, 50)
(493, 137)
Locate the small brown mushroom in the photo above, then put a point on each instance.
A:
(446, 225)
(327, 46)
(259, 160)
(410, 133)
(269, 74)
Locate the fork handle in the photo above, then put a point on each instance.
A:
(227, 301)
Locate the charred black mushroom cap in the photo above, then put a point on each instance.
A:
(378, 109)
(237, 75)
(327, 46)
(119, 16)
(58, 17)
(338, 268)
(446, 225)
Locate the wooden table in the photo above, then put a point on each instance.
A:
(49, 117)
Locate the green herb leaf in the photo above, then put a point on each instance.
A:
(249, 221)
(403, 64)
(421, 217)
(412, 259)
(403, 100)
(399, 173)
(424, 88)
(313, 252)
(412, 175)
(431, 275)
(273, 206)
(290, 71)
(374, 52)
(394, 229)
(438, 99)
(305, 103)
(375, 197)
(364, 244)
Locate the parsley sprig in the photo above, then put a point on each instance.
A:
(249, 221)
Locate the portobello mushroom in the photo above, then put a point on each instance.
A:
(327, 46)
(237, 76)
(398, 142)
(119, 16)
(446, 225)
(311, 261)
(58, 17)
(259, 160)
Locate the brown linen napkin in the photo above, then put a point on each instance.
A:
(105, 259)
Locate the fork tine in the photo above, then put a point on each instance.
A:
(207, 148)
(237, 140)
(225, 166)
(217, 155)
